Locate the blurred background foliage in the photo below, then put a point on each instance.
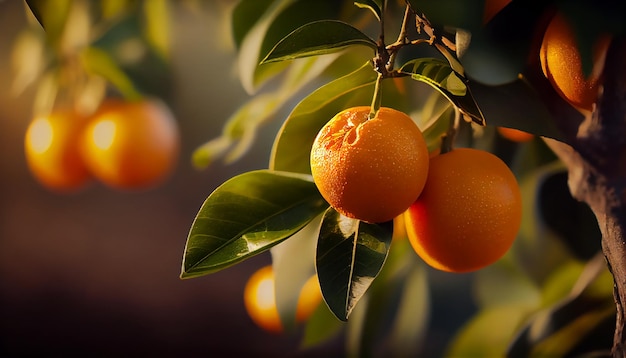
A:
(98, 271)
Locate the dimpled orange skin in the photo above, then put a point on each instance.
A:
(562, 65)
(142, 143)
(370, 170)
(469, 212)
(52, 151)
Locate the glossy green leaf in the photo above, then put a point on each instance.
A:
(247, 215)
(438, 74)
(374, 6)
(318, 38)
(350, 254)
(292, 147)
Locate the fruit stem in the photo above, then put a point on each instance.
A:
(377, 98)
(447, 141)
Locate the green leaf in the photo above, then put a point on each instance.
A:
(350, 254)
(554, 332)
(244, 16)
(392, 316)
(240, 130)
(321, 327)
(292, 147)
(516, 105)
(410, 325)
(250, 51)
(375, 6)
(438, 74)
(504, 284)
(293, 262)
(488, 333)
(247, 215)
(158, 25)
(281, 18)
(317, 38)
(29, 59)
(99, 62)
(52, 15)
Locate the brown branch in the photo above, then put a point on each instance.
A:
(596, 161)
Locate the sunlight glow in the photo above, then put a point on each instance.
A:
(266, 294)
(41, 135)
(104, 134)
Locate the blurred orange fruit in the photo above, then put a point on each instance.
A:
(515, 135)
(131, 145)
(468, 214)
(492, 7)
(370, 169)
(52, 152)
(561, 63)
(260, 301)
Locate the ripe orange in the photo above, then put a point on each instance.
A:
(562, 65)
(370, 169)
(468, 214)
(515, 135)
(131, 145)
(52, 154)
(260, 303)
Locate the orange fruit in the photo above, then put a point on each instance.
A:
(260, 302)
(370, 169)
(131, 145)
(52, 151)
(515, 135)
(492, 7)
(468, 214)
(562, 65)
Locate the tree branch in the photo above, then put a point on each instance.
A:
(596, 161)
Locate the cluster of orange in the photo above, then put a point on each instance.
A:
(125, 145)
(462, 209)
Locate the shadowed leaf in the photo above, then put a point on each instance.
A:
(350, 254)
(438, 74)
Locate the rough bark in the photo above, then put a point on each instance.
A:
(596, 161)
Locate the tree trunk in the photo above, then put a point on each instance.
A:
(596, 162)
